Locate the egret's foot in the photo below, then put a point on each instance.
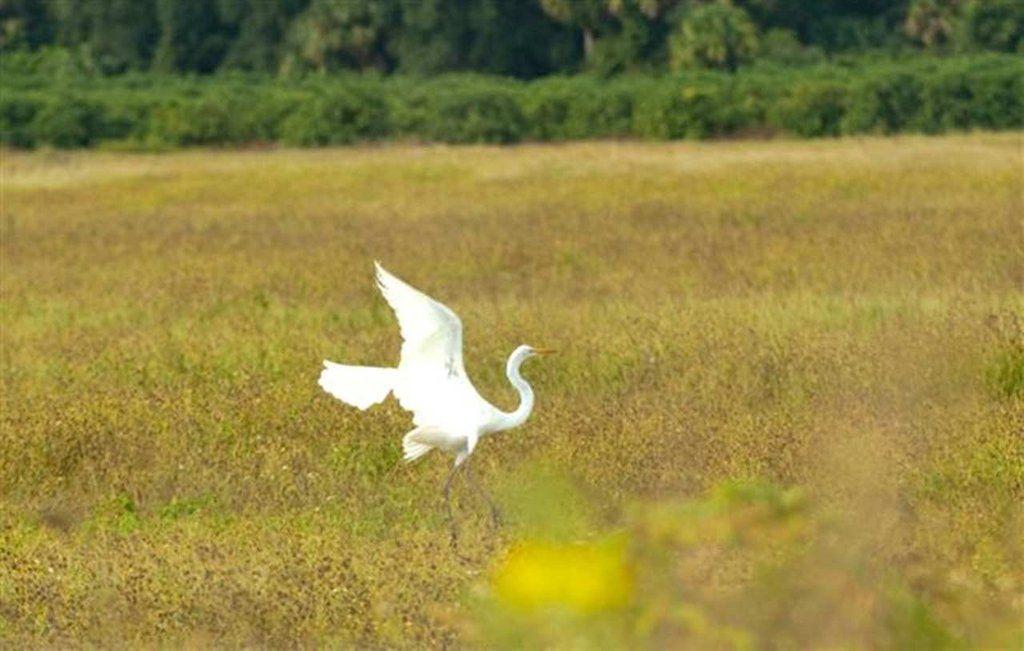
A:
(496, 518)
(453, 540)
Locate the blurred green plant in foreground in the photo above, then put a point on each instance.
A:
(795, 576)
(584, 578)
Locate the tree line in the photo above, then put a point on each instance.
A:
(520, 38)
(155, 112)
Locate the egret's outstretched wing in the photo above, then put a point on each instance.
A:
(431, 332)
(432, 380)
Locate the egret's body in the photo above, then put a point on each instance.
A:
(430, 380)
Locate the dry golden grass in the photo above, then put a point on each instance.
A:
(790, 394)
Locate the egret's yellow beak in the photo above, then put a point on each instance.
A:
(544, 351)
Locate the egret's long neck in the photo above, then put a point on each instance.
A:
(522, 412)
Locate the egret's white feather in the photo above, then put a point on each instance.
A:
(424, 439)
(431, 380)
(413, 451)
(359, 386)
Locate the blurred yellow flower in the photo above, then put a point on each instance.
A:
(585, 578)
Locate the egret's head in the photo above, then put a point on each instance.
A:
(521, 354)
(529, 351)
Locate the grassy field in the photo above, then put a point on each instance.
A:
(788, 410)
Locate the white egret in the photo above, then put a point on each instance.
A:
(430, 381)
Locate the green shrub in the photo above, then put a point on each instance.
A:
(546, 108)
(946, 102)
(925, 95)
(997, 98)
(988, 95)
(66, 123)
(337, 116)
(183, 122)
(264, 120)
(16, 115)
(694, 109)
(568, 109)
(606, 111)
(468, 113)
(882, 103)
(810, 109)
(124, 116)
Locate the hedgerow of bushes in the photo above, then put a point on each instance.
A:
(152, 111)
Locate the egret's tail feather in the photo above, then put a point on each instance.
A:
(359, 386)
(414, 444)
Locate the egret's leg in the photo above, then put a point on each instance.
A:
(448, 505)
(495, 511)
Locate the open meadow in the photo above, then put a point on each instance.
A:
(787, 410)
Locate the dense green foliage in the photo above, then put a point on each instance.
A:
(154, 111)
(321, 72)
(714, 36)
(522, 38)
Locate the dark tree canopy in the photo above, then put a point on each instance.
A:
(521, 38)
